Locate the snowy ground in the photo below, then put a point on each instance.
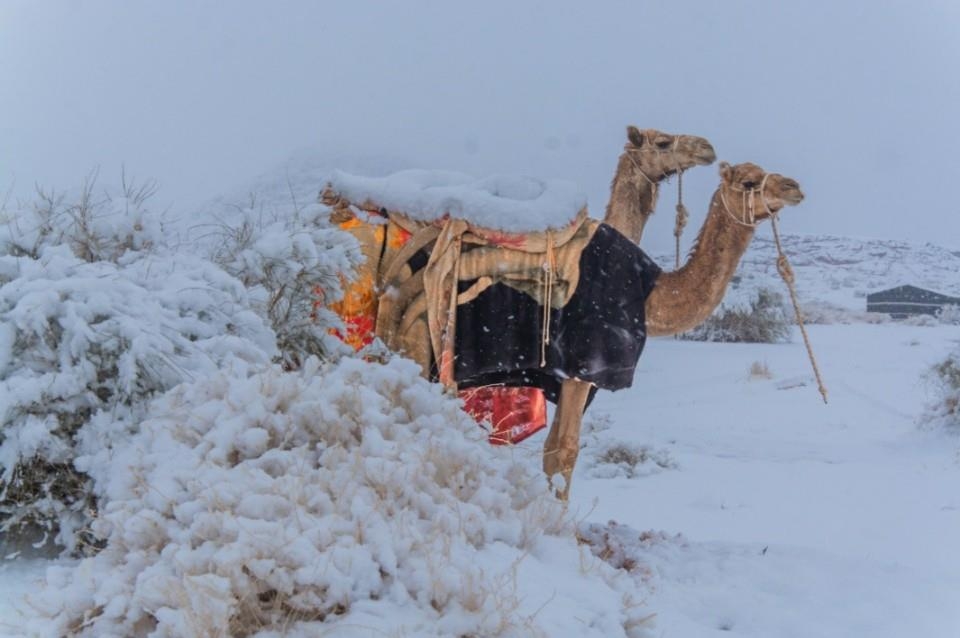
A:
(798, 518)
(780, 516)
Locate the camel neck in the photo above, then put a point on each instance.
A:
(687, 296)
(632, 200)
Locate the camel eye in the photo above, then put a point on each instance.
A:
(663, 144)
(750, 185)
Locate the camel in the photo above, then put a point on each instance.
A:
(649, 157)
(678, 301)
(684, 298)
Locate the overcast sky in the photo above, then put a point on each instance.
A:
(858, 100)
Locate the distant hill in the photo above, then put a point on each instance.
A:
(842, 270)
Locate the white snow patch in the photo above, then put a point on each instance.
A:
(506, 202)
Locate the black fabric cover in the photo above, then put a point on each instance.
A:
(598, 336)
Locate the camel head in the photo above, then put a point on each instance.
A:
(660, 154)
(750, 194)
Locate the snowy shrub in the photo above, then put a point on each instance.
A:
(949, 315)
(764, 320)
(97, 315)
(628, 460)
(944, 409)
(339, 496)
(921, 320)
(623, 547)
(96, 225)
(292, 261)
(824, 312)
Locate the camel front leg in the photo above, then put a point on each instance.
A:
(562, 446)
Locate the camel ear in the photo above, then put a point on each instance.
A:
(726, 171)
(635, 136)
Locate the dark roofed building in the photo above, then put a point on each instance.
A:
(904, 301)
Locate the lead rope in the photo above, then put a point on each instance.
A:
(548, 266)
(682, 216)
(786, 273)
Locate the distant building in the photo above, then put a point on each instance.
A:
(904, 301)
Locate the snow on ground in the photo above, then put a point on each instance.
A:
(797, 518)
(755, 510)
(769, 513)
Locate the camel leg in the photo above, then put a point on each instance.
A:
(562, 446)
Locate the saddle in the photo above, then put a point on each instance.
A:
(416, 268)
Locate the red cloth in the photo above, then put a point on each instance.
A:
(514, 413)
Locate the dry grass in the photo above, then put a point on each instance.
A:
(631, 457)
(760, 370)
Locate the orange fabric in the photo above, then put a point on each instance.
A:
(358, 309)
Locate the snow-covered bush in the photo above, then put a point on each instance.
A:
(339, 496)
(944, 408)
(624, 547)
(292, 260)
(763, 320)
(96, 225)
(97, 315)
(921, 320)
(825, 312)
(949, 315)
(616, 459)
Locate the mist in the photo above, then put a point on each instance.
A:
(857, 101)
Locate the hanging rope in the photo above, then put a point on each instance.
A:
(748, 201)
(549, 267)
(682, 216)
(786, 273)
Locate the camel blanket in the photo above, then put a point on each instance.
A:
(544, 265)
(563, 304)
(597, 336)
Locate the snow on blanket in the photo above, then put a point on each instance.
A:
(352, 499)
(510, 203)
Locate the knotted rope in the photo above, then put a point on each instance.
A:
(786, 273)
(682, 216)
(748, 201)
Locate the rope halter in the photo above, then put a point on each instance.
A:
(682, 214)
(748, 203)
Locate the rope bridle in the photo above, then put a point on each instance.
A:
(682, 214)
(749, 219)
(748, 203)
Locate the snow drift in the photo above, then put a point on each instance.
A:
(343, 495)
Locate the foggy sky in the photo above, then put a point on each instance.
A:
(859, 101)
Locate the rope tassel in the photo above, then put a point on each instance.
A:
(682, 217)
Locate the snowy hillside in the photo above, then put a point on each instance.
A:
(844, 270)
